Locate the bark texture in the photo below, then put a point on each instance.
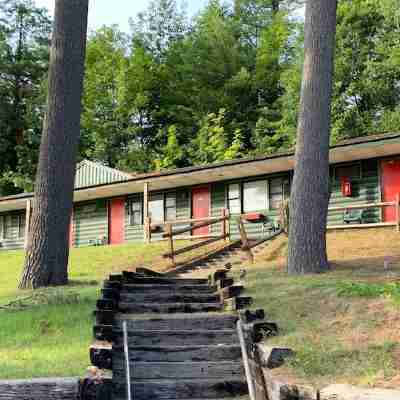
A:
(46, 260)
(310, 190)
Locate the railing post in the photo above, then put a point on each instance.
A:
(223, 226)
(228, 225)
(171, 242)
(398, 212)
(245, 241)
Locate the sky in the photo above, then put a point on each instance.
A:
(108, 12)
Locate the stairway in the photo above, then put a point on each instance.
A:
(181, 345)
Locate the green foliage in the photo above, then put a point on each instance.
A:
(24, 41)
(153, 97)
(367, 73)
(213, 141)
(174, 154)
(391, 290)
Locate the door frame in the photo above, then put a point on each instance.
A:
(208, 186)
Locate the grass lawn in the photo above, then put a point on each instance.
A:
(51, 336)
(345, 324)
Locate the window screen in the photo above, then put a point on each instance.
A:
(21, 226)
(255, 196)
(156, 208)
(135, 212)
(276, 193)
(7, 230)
(234, 198)
(170, 206)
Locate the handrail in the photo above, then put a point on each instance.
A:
(183, 221)
(361, 206)
(127, 365)
(249, 379)
(170, 234)
(193, 246)
(193, 227)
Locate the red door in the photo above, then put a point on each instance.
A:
(201, 207)
(116, 219)
(390, 187)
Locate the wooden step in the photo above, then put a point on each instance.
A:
(231, 352)
(181, 289)
(168, 308)
(139, 280)
(179, 338)
(180, 370)
(154, 297)
(178, 322)
(182, 389)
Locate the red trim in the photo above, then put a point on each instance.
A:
(390, 186)
(201, 207)
(116, 220)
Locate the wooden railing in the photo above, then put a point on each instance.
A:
(194, 224)
(364, 206)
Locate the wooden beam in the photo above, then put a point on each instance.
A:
(191, 247)
(359, 226)
(171, 244)
(199, 225)
(360, 206)
(187, 221)
(245, 241)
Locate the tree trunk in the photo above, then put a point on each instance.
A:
(310, 190)
(46, 261)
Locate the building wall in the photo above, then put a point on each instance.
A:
(90, 223)
(366, 189)
(16, 232)
(90, 220)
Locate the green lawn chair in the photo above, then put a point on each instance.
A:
(353, 216)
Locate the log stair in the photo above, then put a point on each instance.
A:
(182, 338)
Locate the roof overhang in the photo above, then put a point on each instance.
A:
(229, 170)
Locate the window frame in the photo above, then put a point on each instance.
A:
(21, 226)
(270, 193)
(349, 164)
(8, 230)
(162, 199)
(168, 207)
(239, 197)
(267, 205)
(132, 212)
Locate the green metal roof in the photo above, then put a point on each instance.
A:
(89, 173)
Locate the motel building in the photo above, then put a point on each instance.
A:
(113, 207)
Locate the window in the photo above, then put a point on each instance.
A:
(234, 198)
(276, 193)
(351, 171)
(255, 196)
(21, 226)
(7, 227)
(170, 206)
(156, 208)
(135, 212)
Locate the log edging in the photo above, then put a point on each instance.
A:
(40, 389)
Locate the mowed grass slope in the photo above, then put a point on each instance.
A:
(48, 332)
(345, 324)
